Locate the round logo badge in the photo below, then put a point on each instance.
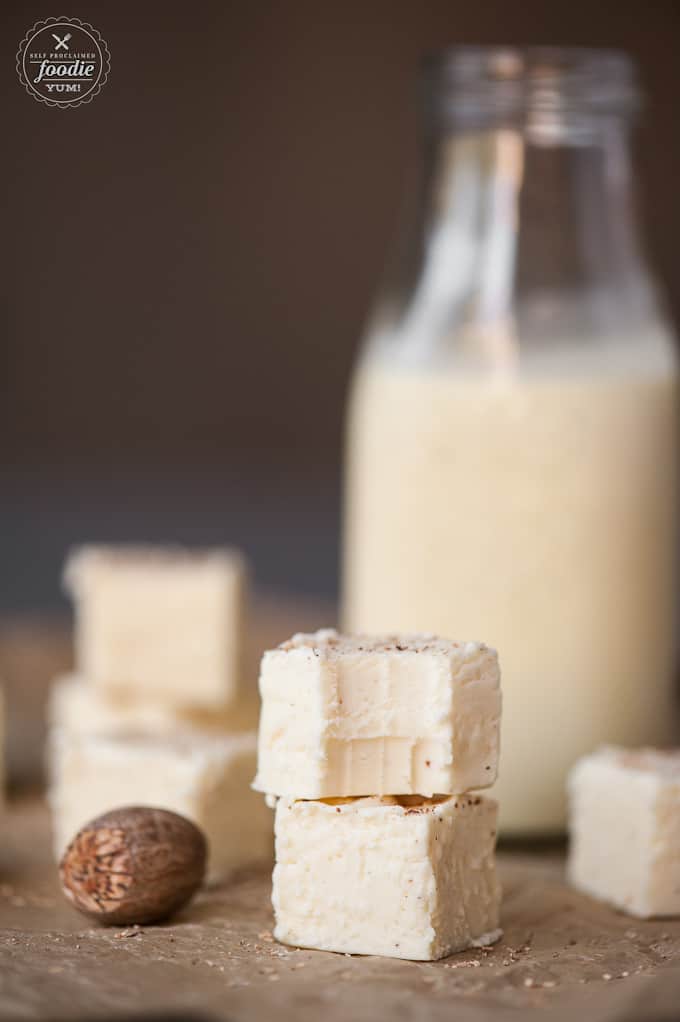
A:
(63, 62)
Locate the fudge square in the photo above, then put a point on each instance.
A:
(360, 715)
(2, 752)
(405, 877)
(625, 829)
(160, 622)
(202, 777)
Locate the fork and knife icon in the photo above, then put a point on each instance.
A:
(62, 44)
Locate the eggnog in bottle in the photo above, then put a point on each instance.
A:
(511, 444)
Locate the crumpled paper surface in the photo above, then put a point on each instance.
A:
(563, 956)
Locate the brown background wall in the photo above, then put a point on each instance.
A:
(188, 261)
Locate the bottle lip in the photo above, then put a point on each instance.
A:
(482, 83)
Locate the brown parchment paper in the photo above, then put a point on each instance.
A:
(563, 956)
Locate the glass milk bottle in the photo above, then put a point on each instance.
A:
(511, 443)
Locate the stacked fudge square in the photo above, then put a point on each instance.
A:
(372, 749)
(157, 712)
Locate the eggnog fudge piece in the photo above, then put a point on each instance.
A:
(77, 707)
(159, 623)
(2, 751)
(625, 829)
(204, 778)
(405, 877)
(373, 715)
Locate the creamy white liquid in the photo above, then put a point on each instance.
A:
(536, 514)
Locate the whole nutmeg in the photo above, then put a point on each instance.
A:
(133, 865)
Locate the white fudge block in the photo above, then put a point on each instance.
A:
(159, 623)
(79, 708)
(402, 877)
(201, 777)
(3, 768)
(380, 715)
(625, 829)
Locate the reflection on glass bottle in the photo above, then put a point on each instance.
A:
(511, 448)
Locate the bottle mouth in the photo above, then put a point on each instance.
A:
(549, 87)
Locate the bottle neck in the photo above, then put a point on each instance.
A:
(537, 227)
(524, 246)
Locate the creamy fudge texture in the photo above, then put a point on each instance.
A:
(361, 715)
(201, 777)
(625, 829)
(79, 708)
(403, 877)
(159, 623)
